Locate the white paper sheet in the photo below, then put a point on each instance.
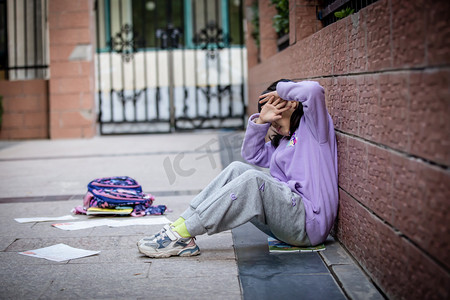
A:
(45, 219)
(59, 252)
(112, 223)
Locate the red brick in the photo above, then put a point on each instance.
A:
(438, 31)
(69, 36)
(53, 88)
(368, 102)
(77, 19)
(75, 119)
(64, 102)
(70, 85)
(11, 88)
(301, 59)
(378, 183)
(320, 58)
(326, 83)
(357, 167)
(420, 194)
(250, 43)
(332, 98)
(357, 49)
(344, 104)
(340, 47)
(378, 35)
(87, 101)
(343, 163)
(89, 131)
(35, 87)
(26, 133)
(58, 6)
(292, 22)
(23, 104)
(409, 195)
(65, 69)
(429, 110)
(60, 53)
(66, 133)
(37, 119)
(268, 36)
(393, 111)
(306, 22)
(397, 266)
(87, 68)
(12, 120)
(408, 33)
(55, 120)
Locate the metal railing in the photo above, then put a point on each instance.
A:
(23, 39)
(327, 14)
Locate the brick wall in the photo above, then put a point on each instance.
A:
(63, 106)
(386, 73)
(72, 74)
(25, 105)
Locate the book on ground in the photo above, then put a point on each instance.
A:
(108, 211)
(281, 247)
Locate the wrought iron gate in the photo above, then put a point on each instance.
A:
(171, 65)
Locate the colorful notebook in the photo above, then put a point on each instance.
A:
(109, 211)
(276, 246)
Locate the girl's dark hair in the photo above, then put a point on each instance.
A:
(295, 117)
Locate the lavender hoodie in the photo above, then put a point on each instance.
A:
(308, 162)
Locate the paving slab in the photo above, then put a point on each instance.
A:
(98, 146)
(25, 281)
(335, 254)
(216, 287)
(68, 176)
(348, 273)
(266, 275)
(355, 283)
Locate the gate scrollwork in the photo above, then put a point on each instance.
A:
(123, 42)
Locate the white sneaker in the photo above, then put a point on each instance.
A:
(169, 243)
(152, 237)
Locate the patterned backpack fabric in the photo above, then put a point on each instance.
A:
(118, 182)
(113, 192)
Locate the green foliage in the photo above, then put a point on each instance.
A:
(344, 13)
(255, 23)
(281, 19)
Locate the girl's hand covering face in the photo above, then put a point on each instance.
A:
(274, 107)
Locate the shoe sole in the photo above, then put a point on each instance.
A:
(182, 253)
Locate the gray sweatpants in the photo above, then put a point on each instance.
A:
(240, 194)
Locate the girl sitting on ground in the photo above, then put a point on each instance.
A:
(296, 203)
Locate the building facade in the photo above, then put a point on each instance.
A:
(74, 69)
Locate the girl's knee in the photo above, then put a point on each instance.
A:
(238, 165)
(252, 173)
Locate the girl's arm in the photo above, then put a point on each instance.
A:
(254, 148)
(312, 97)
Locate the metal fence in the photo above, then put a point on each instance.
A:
(327, 15)
(23, 39)
(170, 65)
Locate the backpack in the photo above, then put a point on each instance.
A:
(118, 182)
(119, 191)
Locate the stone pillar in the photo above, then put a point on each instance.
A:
(268, 35)
(250, 42)
(303, 19)
(72, 73)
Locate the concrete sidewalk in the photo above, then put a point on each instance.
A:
(48, 178)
